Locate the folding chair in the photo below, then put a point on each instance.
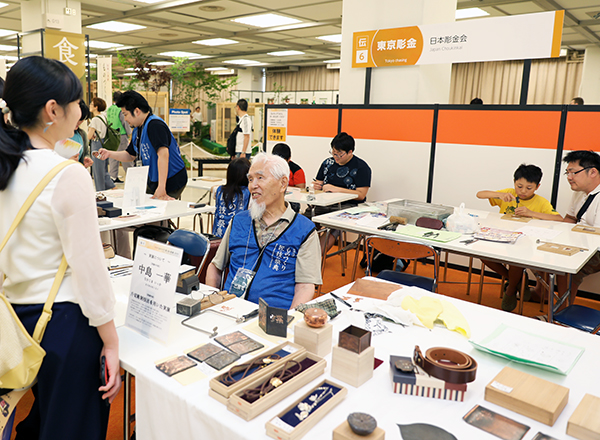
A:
(579, 317)
(408, 251)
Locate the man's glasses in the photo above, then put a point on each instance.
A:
(572, 173)
(337, 155)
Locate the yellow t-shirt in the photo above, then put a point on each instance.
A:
(536, 203)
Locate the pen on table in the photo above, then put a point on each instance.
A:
(340, 299)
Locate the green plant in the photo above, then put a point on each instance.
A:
(277, 89)
(151, 77)
(190, 77)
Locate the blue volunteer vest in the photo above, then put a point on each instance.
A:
(275, 278)
(149, 156)
(224, 212)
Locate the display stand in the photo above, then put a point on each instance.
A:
(344, 432)
(315, 340)
(352, 368)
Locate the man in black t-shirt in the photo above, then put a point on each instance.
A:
(343, 173)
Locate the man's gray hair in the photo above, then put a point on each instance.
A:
(276, 165)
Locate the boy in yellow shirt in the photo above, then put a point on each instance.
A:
(520, 200)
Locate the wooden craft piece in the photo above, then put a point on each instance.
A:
(373, 289)
(516, 218)
(561, 249)
(528, 395)
(584, 424)
(586, 229)
(343, 432)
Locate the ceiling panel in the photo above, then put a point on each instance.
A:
(315, 31)
(326, 11)
(521, 8)
(231, 9)
(280, 4)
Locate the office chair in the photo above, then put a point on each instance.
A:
(195, 247)
(403, 250)
(579, 317)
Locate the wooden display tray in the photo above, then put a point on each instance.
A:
(516, 218)
(373, 289)
(586, 229)
(584, 424)
(280, 432)
(248, 411)
(561, 249)
(222, 392)
(528, 395)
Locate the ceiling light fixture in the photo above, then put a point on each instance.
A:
(266, 20)
(6, 48)
(149, 1)
(103, 44)
(285, 53)
(242, 62)
(210, 8)
(116, 26)
(162, 63)
(332, 61)
(215, 42)
(2, 4)
(212, 69)
(223, 72)
(470, 13)
(180, 54)
(6, 32)
(332, 38)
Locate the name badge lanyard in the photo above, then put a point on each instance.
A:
(138, 141)
(244, 277)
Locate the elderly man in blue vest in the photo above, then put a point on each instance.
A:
(271, 252)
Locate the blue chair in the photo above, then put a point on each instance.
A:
(579, 317)
(195, 247)
(407, 251)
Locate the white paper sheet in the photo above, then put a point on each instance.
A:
(542, 233)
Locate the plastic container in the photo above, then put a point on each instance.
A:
(412, 210)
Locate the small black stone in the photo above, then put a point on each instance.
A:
(361, 423)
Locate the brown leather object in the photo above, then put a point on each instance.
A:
(446, 364)
(373, 289)
(429, 223)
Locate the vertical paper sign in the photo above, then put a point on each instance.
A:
(179, 119)
(68, 48)
(104, 69)
(152, 294)
(135, 187)
(277, 125)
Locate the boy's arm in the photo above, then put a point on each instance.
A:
(507, 197)
(526, 212)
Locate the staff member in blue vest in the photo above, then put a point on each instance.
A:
(271, 252)
(152, 143)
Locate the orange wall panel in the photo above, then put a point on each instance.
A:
(317, 122)
(582, 131)
(529, 129)
(388, 124)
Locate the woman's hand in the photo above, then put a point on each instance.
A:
(113, 385)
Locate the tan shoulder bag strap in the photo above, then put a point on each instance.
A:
(62, 268)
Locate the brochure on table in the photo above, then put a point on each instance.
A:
(153, 282)
(135, 187)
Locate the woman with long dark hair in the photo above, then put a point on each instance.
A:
(233, 196)
(41, 97)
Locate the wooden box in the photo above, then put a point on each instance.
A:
(280, 430)
(352, 368)
(344, 432)
(528, 395)
(584, 424)
(316, 340)
(355, 339)
(222, 392)
(248, 411)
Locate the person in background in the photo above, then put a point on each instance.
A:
(476, 101)
(523, 201)
(343, 172)
(576, 101)
(97, 132)
(232, 197)
(114, 115)
(42, 98)
(297, 177)
(80, 136)
(583, 175)
(271, 252)
(197, 121)
(153, 143)
(243, 139)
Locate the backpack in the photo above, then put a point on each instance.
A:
(232, 139)
(112, 140)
